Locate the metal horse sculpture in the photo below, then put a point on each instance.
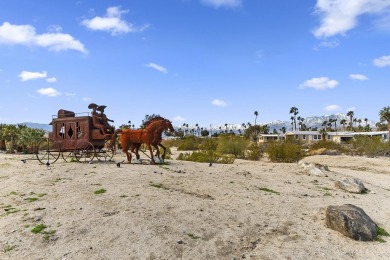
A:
(157, 141)
(151, 135)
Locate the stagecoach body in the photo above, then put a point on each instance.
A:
(74, 136)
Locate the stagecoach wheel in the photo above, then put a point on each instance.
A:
(84, 152)
(48, 151)
(68, 156)
(106, 152)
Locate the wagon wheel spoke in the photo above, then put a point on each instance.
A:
(68, 156)
(48, 151)
(84, 152)
(106, 152)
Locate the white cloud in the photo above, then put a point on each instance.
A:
(157, 67)
(112, 22)
(69, 94)
(351, 109)
(222, 3)
(358, 77)
(219, 103)
(28, 75)
(179, 118)
(25, 35)
(87, 99)
(383, 61)
(51, 80)
(340, 16)
(50, 92)
(332, 108)
(327, 44)
(319, 83)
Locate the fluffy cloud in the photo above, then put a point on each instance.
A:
(222, 3)
(28, 75)
(25, 35)
(382, 61)
(219, 103)
(358, 77)
(331, 108)
(51, 80)
(179, 118)
(112, 22)
(319, 83)
(340, 16)
(50, 92)
(157, 67)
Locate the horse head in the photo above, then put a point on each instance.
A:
(168, 125)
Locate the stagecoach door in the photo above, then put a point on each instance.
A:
(67, 134)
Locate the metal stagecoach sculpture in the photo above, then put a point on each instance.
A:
(81, 137)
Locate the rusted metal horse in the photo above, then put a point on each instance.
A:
(150, 135)
(157, 141)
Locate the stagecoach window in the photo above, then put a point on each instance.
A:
(62, 131)
(78, 130)
(70, 132)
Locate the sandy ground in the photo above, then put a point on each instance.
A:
(185, 210)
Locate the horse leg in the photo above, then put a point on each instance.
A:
(164, 149)
(151, 154)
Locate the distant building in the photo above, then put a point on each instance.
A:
(315, 136)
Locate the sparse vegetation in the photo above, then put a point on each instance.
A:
(284, 151)
(254, 151)
(101, 191)
(38, 228)
(268, 190)
(8, 248)
(192, 236)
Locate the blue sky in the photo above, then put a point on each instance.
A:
(194, 61)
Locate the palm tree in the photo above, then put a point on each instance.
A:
(350, 114)
(29, 138)
(295, 112)
(10, 133)
(256, 114)
(323, 133)
(299, 123)
(226, 128)
(292, 123)
(365, 120)
(384, 115)
(343, 122)
(2, 137)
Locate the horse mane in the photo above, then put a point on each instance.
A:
(152, 119)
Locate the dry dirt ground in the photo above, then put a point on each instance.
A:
(185, 210)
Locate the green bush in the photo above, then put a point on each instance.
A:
(189, 143)
(234, 145)
(329, 145)
(284, 152)
(370, 146)
(205, 157)
(254, 151)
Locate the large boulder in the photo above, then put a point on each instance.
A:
(311, 170)
(352, 185)
(351, 221)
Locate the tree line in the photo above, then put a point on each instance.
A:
(19, 137)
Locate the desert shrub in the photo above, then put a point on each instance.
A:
(189, 143)
(254, 151)
(234, 145)
(328, 145)
(209, 145)
(284, 152)
(205, 157)
(370, 146)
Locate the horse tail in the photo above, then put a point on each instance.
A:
(118, 131)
